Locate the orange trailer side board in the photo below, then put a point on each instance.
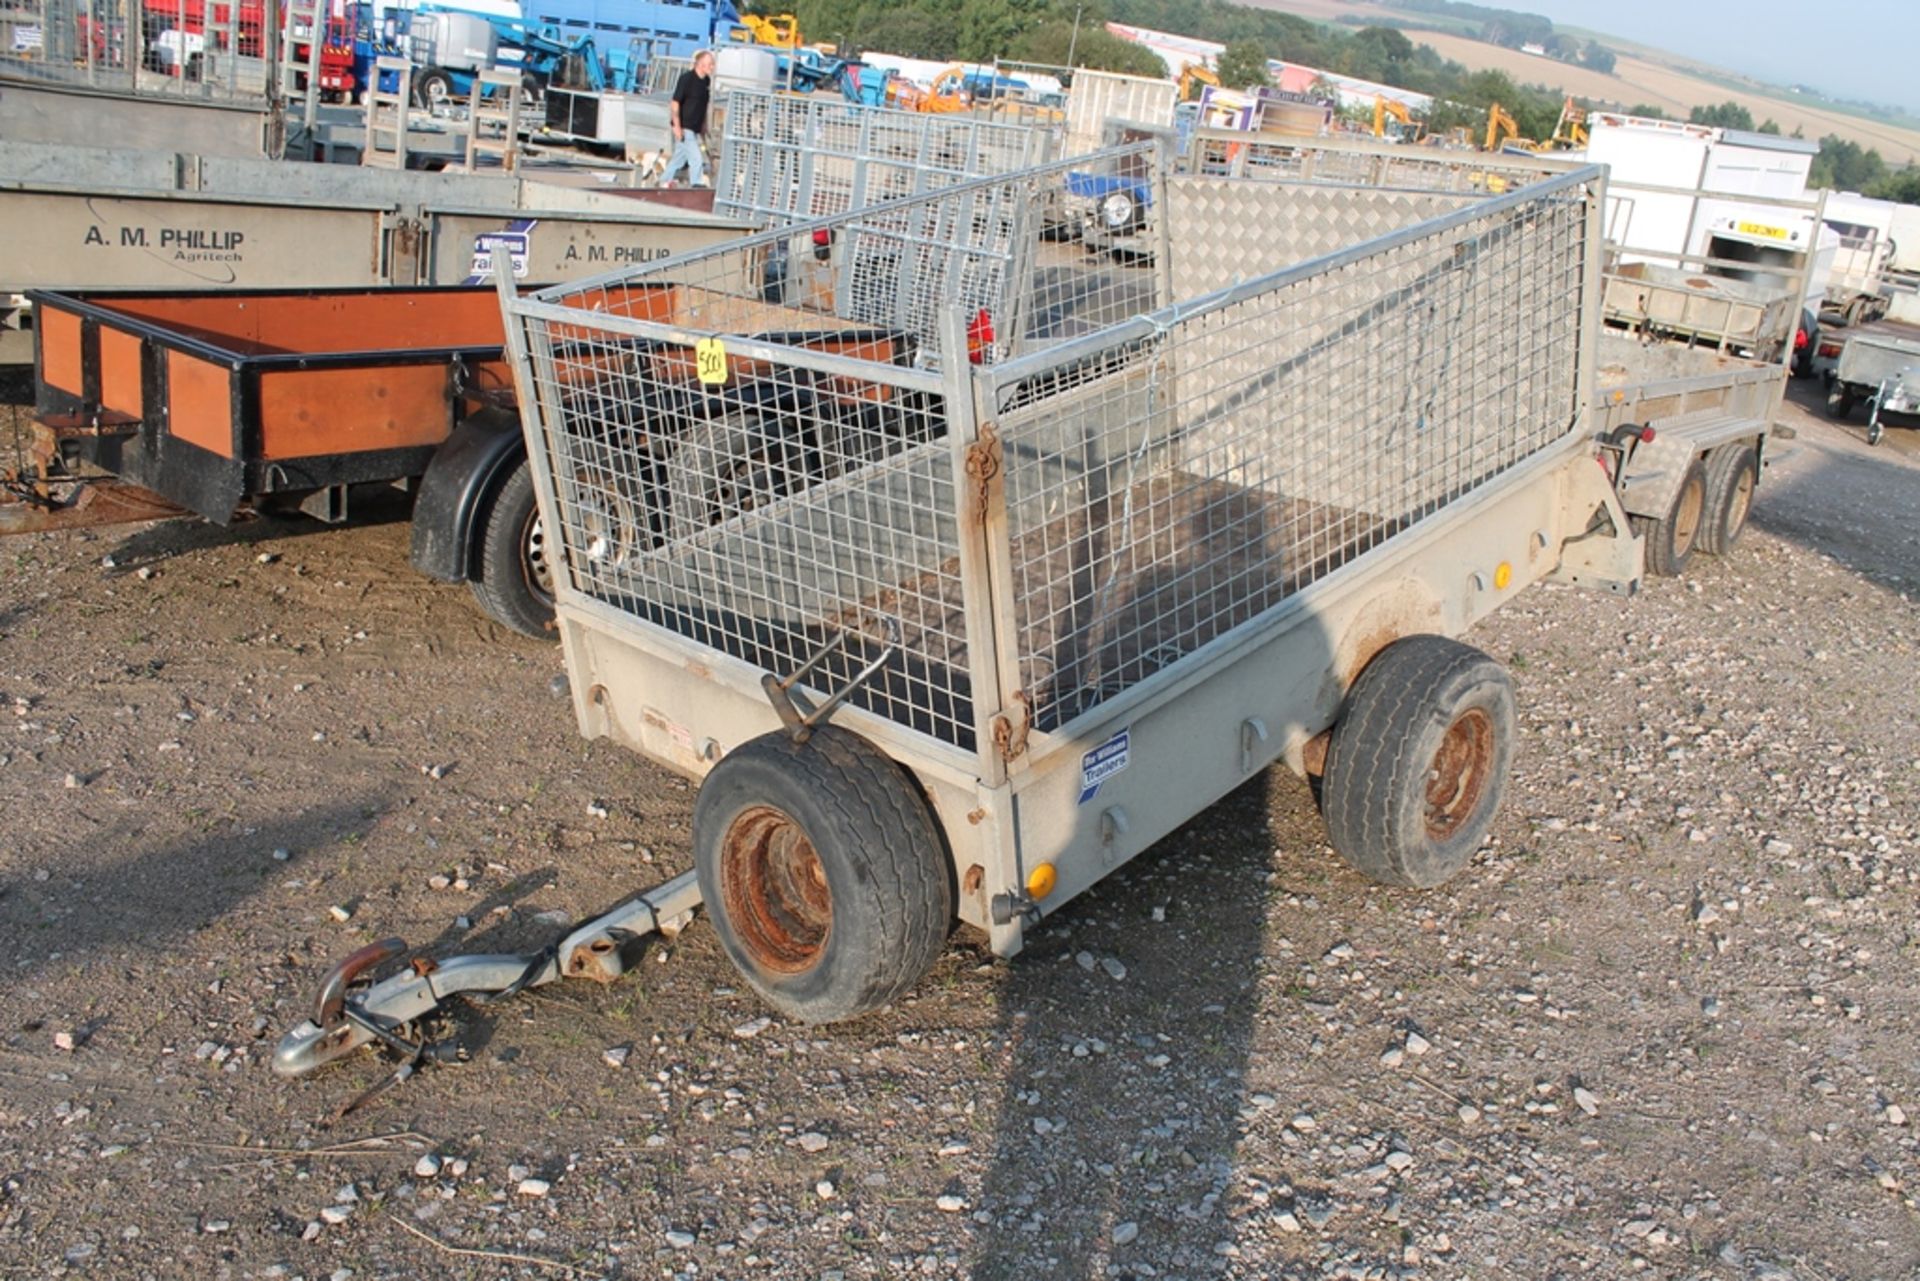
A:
(60, 350)
(373, 320)
(200, 403)
(308, 412)
(120, 388)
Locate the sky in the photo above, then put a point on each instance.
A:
(1860, 49)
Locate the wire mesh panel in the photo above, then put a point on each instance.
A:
(772, 501)
(786, 159)
(213, 50)
(903, 265)
(1205, 464)
(1226, 153)
(796, 495)
(753, 447)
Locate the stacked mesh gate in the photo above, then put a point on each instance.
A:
(1056, 507)
(195, 49)
(785, 158)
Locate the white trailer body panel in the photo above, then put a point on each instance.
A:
(1100, 96)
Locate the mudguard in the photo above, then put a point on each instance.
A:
(465, 471)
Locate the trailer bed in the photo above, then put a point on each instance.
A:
(218, 400)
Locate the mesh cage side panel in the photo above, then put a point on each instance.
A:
(1167, 492)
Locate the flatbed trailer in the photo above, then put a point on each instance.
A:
(226, 404)
(954, 626)
(223, 404)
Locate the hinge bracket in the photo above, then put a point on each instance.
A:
(1010, 727)
(983, 468)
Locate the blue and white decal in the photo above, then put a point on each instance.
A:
(1103, 762)
(512, 242)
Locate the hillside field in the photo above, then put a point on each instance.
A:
(1635, 80)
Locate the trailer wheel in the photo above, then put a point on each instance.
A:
(1672, 538)
(1839, 401)
(515, 584)
(1418, 761)
(1732, 473)
(824, 871)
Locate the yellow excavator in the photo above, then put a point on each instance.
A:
(776, 30)
(1502, 127)
(1383, 107)
(944, 95)
(1192, 76)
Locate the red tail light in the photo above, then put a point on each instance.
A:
(979, 336)
(1646, 435)
(1799, 339)
(822, 235)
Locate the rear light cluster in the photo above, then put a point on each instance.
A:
(1799, 340)
(979, 336)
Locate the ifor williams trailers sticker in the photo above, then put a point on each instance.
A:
(1103, 762)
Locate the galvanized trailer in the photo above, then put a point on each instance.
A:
(960, 636)
(1693, 367)
(1880, 369)
(1051, 553)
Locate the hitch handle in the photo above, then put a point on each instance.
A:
(331, 1002)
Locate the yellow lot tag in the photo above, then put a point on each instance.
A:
(710, 357)
(1761, 229)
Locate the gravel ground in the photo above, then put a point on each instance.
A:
(1664, 1024)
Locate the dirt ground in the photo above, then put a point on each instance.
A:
(1664, 1024)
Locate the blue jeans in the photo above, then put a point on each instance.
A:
(688, 152)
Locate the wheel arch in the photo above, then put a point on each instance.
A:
(466, 471)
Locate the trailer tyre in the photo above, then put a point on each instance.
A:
(1418, 761)
(1840, 402)
(824, 871)
(1672, 538)
(515, 582)
(1732, 473)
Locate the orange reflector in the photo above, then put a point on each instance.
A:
(1041, 880)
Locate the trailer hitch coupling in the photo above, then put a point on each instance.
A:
(344, 1019)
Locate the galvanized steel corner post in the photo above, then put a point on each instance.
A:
(1001, 719)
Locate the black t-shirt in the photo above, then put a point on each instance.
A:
(691, 94)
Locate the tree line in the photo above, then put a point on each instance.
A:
(1044, 31)
(1048, 31)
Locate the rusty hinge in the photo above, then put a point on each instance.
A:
(983, 466)
(1010, 727)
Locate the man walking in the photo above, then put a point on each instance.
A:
(688, 113)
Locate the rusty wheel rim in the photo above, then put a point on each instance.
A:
(775, 891)
(1686, 517)
(1458, 777)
